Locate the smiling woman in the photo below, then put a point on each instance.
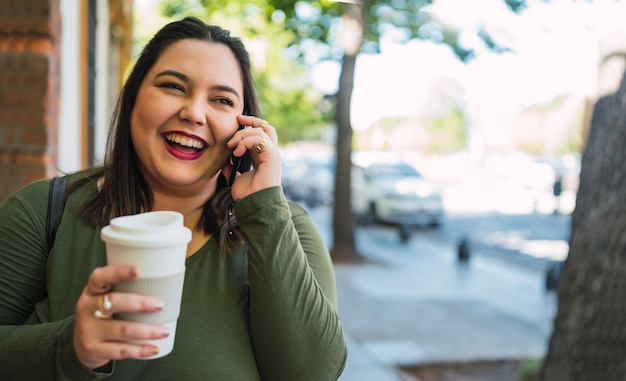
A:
(258, 302)
(179, 97)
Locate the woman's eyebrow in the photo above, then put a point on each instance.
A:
(227, 89)
(174, 73)
(184, 78)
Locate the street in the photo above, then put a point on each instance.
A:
(514, 225)
(412, 303)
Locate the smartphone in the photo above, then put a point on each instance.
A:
(241, 164)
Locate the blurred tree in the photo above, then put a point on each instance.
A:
(589, 337)
(287, 98)
(340, 30)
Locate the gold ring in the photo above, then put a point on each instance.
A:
(104, 306)
(259, 147)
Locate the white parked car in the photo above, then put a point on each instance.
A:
(397, 194)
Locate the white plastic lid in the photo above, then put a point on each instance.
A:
(147, 229)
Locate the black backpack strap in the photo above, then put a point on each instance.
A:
(56, 203)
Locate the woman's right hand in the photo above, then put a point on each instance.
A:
(98, 338)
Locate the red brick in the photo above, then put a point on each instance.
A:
(33, 138)
(8, 137)
(29, 158)
(30, 33)
(32, 173)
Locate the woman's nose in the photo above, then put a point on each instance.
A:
(194, 110)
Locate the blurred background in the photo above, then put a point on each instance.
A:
(437, 145)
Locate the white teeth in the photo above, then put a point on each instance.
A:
(185, 141)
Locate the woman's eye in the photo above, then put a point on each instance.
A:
(172, 85)
(225, 101)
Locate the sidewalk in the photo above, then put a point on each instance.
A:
(414, 304)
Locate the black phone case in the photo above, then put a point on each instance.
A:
(241, 164)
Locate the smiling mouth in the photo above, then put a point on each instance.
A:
(184, 143)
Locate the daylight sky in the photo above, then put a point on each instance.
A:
(555, 53)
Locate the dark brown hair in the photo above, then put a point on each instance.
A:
(124, 190)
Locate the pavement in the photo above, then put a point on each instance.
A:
(414, 304)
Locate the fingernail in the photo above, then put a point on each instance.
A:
(159, 305)
(155, 350)
(165, 331)
(133, 272)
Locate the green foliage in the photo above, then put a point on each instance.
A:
(529, 369)
(292, 110)
(317, 22)
(575, 136)
(516, 5)
(448, 132)
(531, 148)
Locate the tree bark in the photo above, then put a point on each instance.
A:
(344, 248)
(589, 337)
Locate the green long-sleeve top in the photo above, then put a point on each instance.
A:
(264, 312)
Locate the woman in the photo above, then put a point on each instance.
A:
(259, 298)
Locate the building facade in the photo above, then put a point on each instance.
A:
(62, 63)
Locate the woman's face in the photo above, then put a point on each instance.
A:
(184, 113)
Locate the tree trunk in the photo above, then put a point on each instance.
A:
(344, 248)
(589, 337)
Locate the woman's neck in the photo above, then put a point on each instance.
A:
(191, 207)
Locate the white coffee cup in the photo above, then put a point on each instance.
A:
(155, 242)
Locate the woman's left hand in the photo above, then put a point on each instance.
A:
(259, 137)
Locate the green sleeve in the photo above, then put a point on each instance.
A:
(296, 333)
(40, 351)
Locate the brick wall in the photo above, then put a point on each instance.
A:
(29, 91)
